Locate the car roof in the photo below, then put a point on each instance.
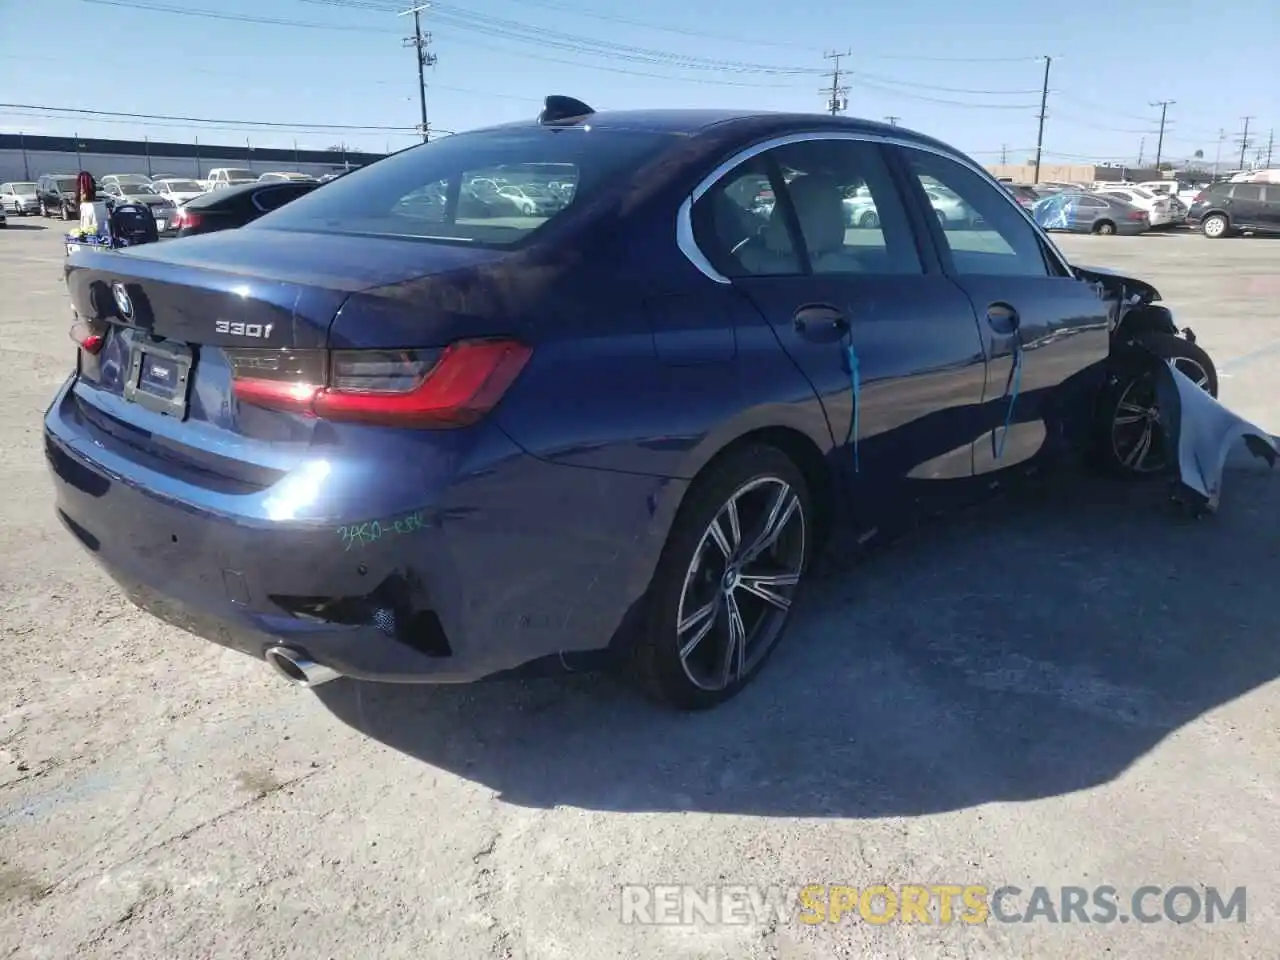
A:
(755, 123)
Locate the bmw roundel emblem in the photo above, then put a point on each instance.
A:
(123, 303)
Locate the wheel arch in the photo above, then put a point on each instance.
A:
(785, 430)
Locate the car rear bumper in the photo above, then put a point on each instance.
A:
(480, 581)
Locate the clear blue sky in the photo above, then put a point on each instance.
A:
(965, 72)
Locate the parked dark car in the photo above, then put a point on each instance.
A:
(1228, 209)
(236, 205)
(1090, 213)
(1026, 196)
(400, 442)
(57, 196)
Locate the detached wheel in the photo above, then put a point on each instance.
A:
(1105, 229)
(1132, 444)
(728, 577)
(1215, 226)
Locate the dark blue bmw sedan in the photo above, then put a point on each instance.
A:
(599, 382)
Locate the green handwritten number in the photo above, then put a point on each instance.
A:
(376, 531)
(346, 539)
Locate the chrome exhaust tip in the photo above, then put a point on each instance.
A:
(295, 667)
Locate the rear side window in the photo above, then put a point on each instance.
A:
(985, 233)
(1247, 191)
(492, 187)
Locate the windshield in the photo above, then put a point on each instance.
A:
(183, 186)
(140, 189)
(130, 179)
(241, 174)
(449, 189)
(24, 189)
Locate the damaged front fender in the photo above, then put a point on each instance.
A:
(1202, 433)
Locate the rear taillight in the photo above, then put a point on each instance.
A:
(453, 387)
(86, 337)
(1138, 215)
(1199, 197)
(186, 218)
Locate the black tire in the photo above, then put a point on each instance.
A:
(1130, 393)
(693, 572)
(44, 210)
(65, 212)
(869, 220)
(1216, 226)
(1104, 228)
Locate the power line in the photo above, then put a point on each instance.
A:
(1044, 101)
(420, 42)
(270, 124)
(686, 32)
(236, 17)
(1164, 109)
(1244, 140)
(837, 101)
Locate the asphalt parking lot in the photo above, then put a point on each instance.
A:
(1073, 686)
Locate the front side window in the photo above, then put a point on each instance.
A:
(986, 234)
(1247, 191)
(451, 190)
(847, 210)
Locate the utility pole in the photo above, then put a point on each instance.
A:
(1271, 141)
(836, 100)
(1142, 148)
(1244, 140)
(1164, 109)
(1217, 154)
(893, 121)
(1004, 154)
(1044, 100)
(420, 42)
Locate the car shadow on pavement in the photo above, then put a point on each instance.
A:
(1037, 646)
(15, 225)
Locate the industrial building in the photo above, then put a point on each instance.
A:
(26, 157)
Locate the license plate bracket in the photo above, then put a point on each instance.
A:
(159, 377)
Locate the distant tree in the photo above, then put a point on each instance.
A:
(1199, 154)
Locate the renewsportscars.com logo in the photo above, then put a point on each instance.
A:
(970, 904)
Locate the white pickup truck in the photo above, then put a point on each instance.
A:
(222, 177)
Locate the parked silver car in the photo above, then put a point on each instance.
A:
(1090, 213)
(19, 198)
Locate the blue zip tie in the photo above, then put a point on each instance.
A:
(855, 381)
(1011, 388)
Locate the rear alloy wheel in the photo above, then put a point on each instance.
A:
(1106, 228)
(727, 581)
(1136, 447)
(1214, 226)
(870, 220)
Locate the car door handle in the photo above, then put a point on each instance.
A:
(1003, 319)
(820, 323)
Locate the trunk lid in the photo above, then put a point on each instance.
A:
(172, 315)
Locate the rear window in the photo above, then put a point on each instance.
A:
(492, 187)
(66, 184)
